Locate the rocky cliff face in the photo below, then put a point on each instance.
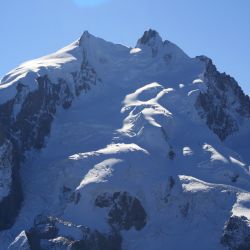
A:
(11, 194)
(224, 104)
(107, 147)
(45, 234)
(25, 122)
(125, 211)
(236, 234)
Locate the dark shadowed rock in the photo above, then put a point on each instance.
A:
(125, 211)
(147, 36)
(21, 242)
(34, 121)
(98, 241)
(10, 204)
(45, 235)
(236, 234)
(28, 128)
(223, 100)
(86, 77)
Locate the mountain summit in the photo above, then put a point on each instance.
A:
(150, 37)
(106, 147)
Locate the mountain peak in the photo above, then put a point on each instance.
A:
(150, 40)
(149, 36)
(84, 36)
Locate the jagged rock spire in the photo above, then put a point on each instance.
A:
(152, 40)
(148, 36)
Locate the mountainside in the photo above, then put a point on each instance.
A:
(105, 147)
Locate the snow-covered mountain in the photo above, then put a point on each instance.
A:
(105, 147)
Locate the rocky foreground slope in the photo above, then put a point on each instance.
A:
(108, 147)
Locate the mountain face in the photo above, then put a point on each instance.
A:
(106, 147)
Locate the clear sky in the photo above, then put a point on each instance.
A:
(219, 29)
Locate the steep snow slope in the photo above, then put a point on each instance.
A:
(132, 155)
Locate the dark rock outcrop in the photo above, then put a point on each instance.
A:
(25, 122)
(27, 130)
(45, 234)
(21, 242)
(99, 241)
(33, 122)
(85, 78)
(236, 234)
(152, 40)
(10, 204)
(147, 36)
(125, 211)
(223, 102)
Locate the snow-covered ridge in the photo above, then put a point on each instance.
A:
(56, 65)
(98, 52)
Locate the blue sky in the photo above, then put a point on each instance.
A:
(219, 29)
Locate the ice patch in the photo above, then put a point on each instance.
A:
(235, 161)
(242, 206)
(187, 151)
(215, 155)
(197, 81)
(99, 173)
(144, 108)
(135, 50)
(110, 150)
(191, 184)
